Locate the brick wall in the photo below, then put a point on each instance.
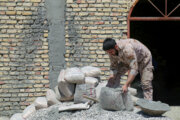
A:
(88, 23)
(24, 49)
(24, 60)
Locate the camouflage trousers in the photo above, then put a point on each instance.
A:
(146, 72)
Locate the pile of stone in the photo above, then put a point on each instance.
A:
(73, 84)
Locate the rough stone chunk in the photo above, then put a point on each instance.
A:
(152, 108)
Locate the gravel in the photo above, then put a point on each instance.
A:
(93, 113)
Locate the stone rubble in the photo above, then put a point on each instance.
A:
(95, 112)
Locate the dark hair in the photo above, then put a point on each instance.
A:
(108, 43)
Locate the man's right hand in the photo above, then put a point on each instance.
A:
(111, 81)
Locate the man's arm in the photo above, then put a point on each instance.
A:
(132, 61)
(129, 81)
(113, 67)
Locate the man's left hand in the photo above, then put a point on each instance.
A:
(124, 88)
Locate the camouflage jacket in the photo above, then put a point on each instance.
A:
(132, 53)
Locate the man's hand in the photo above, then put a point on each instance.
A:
(125, 88)
(111, 81)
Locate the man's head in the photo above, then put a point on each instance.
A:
(110, 46)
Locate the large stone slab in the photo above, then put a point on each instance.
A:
(152, 108)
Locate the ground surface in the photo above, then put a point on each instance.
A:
(94, 113)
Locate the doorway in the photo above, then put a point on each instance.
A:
(161, 36)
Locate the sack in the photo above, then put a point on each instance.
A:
(84, 89)
(60, 95)
(91, 80)
(98, 88)
(128, 103)
(57, 93)
(111, 99)
(74, 75)
(29, 111)
(17, 116)
(132, 91)
(51, 97)
(40, 102)
(67, 89)
(90, 71)
(80, 106)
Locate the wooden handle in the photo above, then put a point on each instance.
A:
(90, 98)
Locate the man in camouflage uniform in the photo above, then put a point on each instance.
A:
(132, 56)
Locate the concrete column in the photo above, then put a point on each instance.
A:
(56, 38)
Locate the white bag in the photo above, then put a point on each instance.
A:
(29, 111)
(80, 106)
(57, 92)
(51, 97)
(60, 96)
(91, 80)
(67, 89)
(90, 71)
(40, 102)
(17, 116)
(132, 91)
(98, 88)
(74, 75)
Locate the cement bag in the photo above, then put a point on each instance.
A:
(91, 80)
(90, 71)
(17, 116)
(60, 96)
(57, 93)
(74, 75)
(51, 97)
(40, 102)
(132, 91)
(128, 103)
(29, 111)
(80, 106)
(134, 99)
(98, 88)
(67, 89)
(84, 89)
(111, 99)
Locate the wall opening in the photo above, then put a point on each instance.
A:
(161, 37)
(156, 24)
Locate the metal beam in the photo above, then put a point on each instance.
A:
(154, 18)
